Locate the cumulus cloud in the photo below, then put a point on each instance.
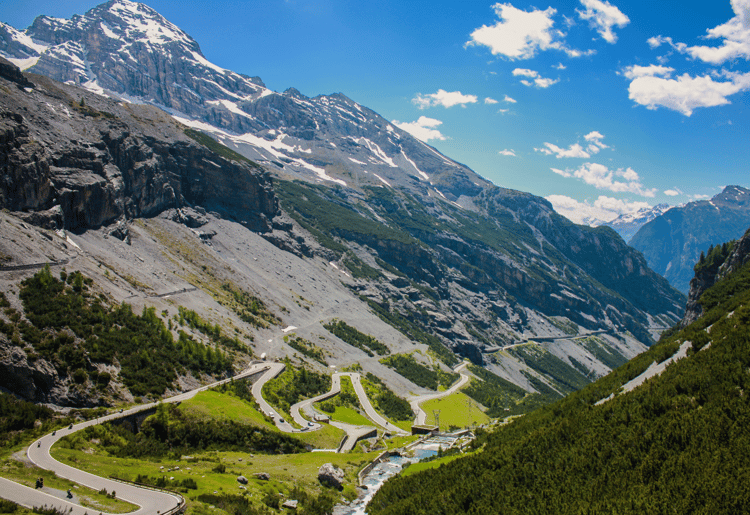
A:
(653, 86)
(520, 34)
(734, 36)
(539, 81)
(559, 66)
(603, 209)
(618, 181)
(489, 100)
(574, 150)
(593, 142)
(424, 128)
(654, 70)
(673, 193)
(443, 98)
(594, 139)
(507, 152)
(602, 16)
(509, 100)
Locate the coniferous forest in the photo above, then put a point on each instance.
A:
(676, 444)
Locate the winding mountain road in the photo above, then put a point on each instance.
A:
(306, 405)
(416, 401)
(149, 501)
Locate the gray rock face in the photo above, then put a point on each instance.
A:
(263, 476)
(82, 161)
(331, 475)
(704, 279)
(242, 480)
(31, 381)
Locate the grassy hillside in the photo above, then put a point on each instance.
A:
(676, 444)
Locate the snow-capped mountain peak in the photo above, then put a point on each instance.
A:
(127, 50)
(628, 224)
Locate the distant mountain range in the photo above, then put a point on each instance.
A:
(672, 242)
(658, 434)
(628, 224)
(429, 247)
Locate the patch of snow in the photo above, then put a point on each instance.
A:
(230, 106)
(355, 161)
(94, 87)
(441, 156)
(24, 64)
(375, 149)
(24, 39)
(382, 180)
(67, 238)
(206, 62)
(108, 31)
(420, 172)
(288, 328)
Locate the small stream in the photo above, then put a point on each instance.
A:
(384, 471)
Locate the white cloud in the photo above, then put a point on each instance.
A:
(443, 98)
(635, 71)
(602, 16)
(489, 100)
(699, 197)
(520, 34)
(594, 145)
(539, 81)
(507, 152)
(574, 150)
(424, 129)
(559, 66)
(604, 209)
(595, 142)
(672, 193)
(734, 36)
(525, 72)
(509, 100)
(603, 178)
(653, 87)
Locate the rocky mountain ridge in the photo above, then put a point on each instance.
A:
(426, 245)
(672, 242)
(127, 50)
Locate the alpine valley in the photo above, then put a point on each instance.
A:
(175, 184)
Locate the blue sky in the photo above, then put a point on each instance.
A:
(599, 106)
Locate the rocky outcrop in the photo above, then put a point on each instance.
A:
(329, 474)
(73, 160)
(11, 72)
(706, 277)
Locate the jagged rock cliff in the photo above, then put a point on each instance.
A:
(75, 160)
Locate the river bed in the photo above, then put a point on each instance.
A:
(383, 471)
